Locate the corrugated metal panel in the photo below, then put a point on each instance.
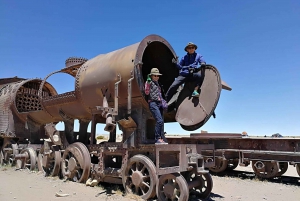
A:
(4, 110)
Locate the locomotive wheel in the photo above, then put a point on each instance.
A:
(283, 166)
(30, 161)
(1, 158)
(220, 165)
(298, 168)
(139, 177)
(76, 163)
(270, 169)
(205, 186)
(172, 187)
(9, 154)
(232, 164)
(49, 163)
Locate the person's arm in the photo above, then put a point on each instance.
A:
(198, 60)
(147, 88)
(180, 64)
(147, 85)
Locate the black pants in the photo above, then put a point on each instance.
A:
(179, 81)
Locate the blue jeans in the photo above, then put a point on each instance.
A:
(157, 112)
(195, 77)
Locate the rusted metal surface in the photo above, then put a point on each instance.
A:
(215, 135)
(22, 115)
(233, 149)
(226, 86)
(139, 177)
(97, 78)
(199, 185)
(265, 169)
(220, 165)
(180, 157)
(76, 163)
(49, 160)
(5, 81)
(27, 159)
(172, 187)
(192, 113)
(298, 168)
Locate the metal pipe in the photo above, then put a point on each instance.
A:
(129, 94)
(22, 156)
(116, 109)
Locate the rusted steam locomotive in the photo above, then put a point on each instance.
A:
(109, 89)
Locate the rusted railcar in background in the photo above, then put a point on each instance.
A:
(20, 133)
(269, 156)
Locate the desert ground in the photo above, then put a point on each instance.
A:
(30, 186)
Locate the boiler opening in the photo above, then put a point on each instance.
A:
(158, 55)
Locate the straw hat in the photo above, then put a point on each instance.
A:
(155, 71)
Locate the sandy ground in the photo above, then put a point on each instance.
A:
(30, 186)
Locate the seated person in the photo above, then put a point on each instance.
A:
(156, 104)
(189, 68)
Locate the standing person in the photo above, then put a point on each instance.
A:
(156, 104)
(189, 68)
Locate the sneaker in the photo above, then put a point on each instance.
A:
(195, 94)
(160, 141)
(164, 138)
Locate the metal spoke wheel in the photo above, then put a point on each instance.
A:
(29, 161)
(283, 166)
(220, 165)
(172, 187)
(139, 177)
(265, 169)
(76, 163)
(49, 161)
(1, 158)
(232, 164)
(9, 152)
(200, 185)
(298, 168)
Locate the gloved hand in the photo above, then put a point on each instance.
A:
(148, 78)
(203, 65)
(191, 70)
(174, 60)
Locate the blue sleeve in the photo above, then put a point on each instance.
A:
(198, 60)
(201, 59)
(180, 64)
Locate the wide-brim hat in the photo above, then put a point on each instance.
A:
(190, 44)
(155, 71)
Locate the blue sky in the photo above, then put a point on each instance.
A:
(254, 44)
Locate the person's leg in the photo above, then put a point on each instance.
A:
(171, 91)
(197, 79)
(154, 108)
(162, 132)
